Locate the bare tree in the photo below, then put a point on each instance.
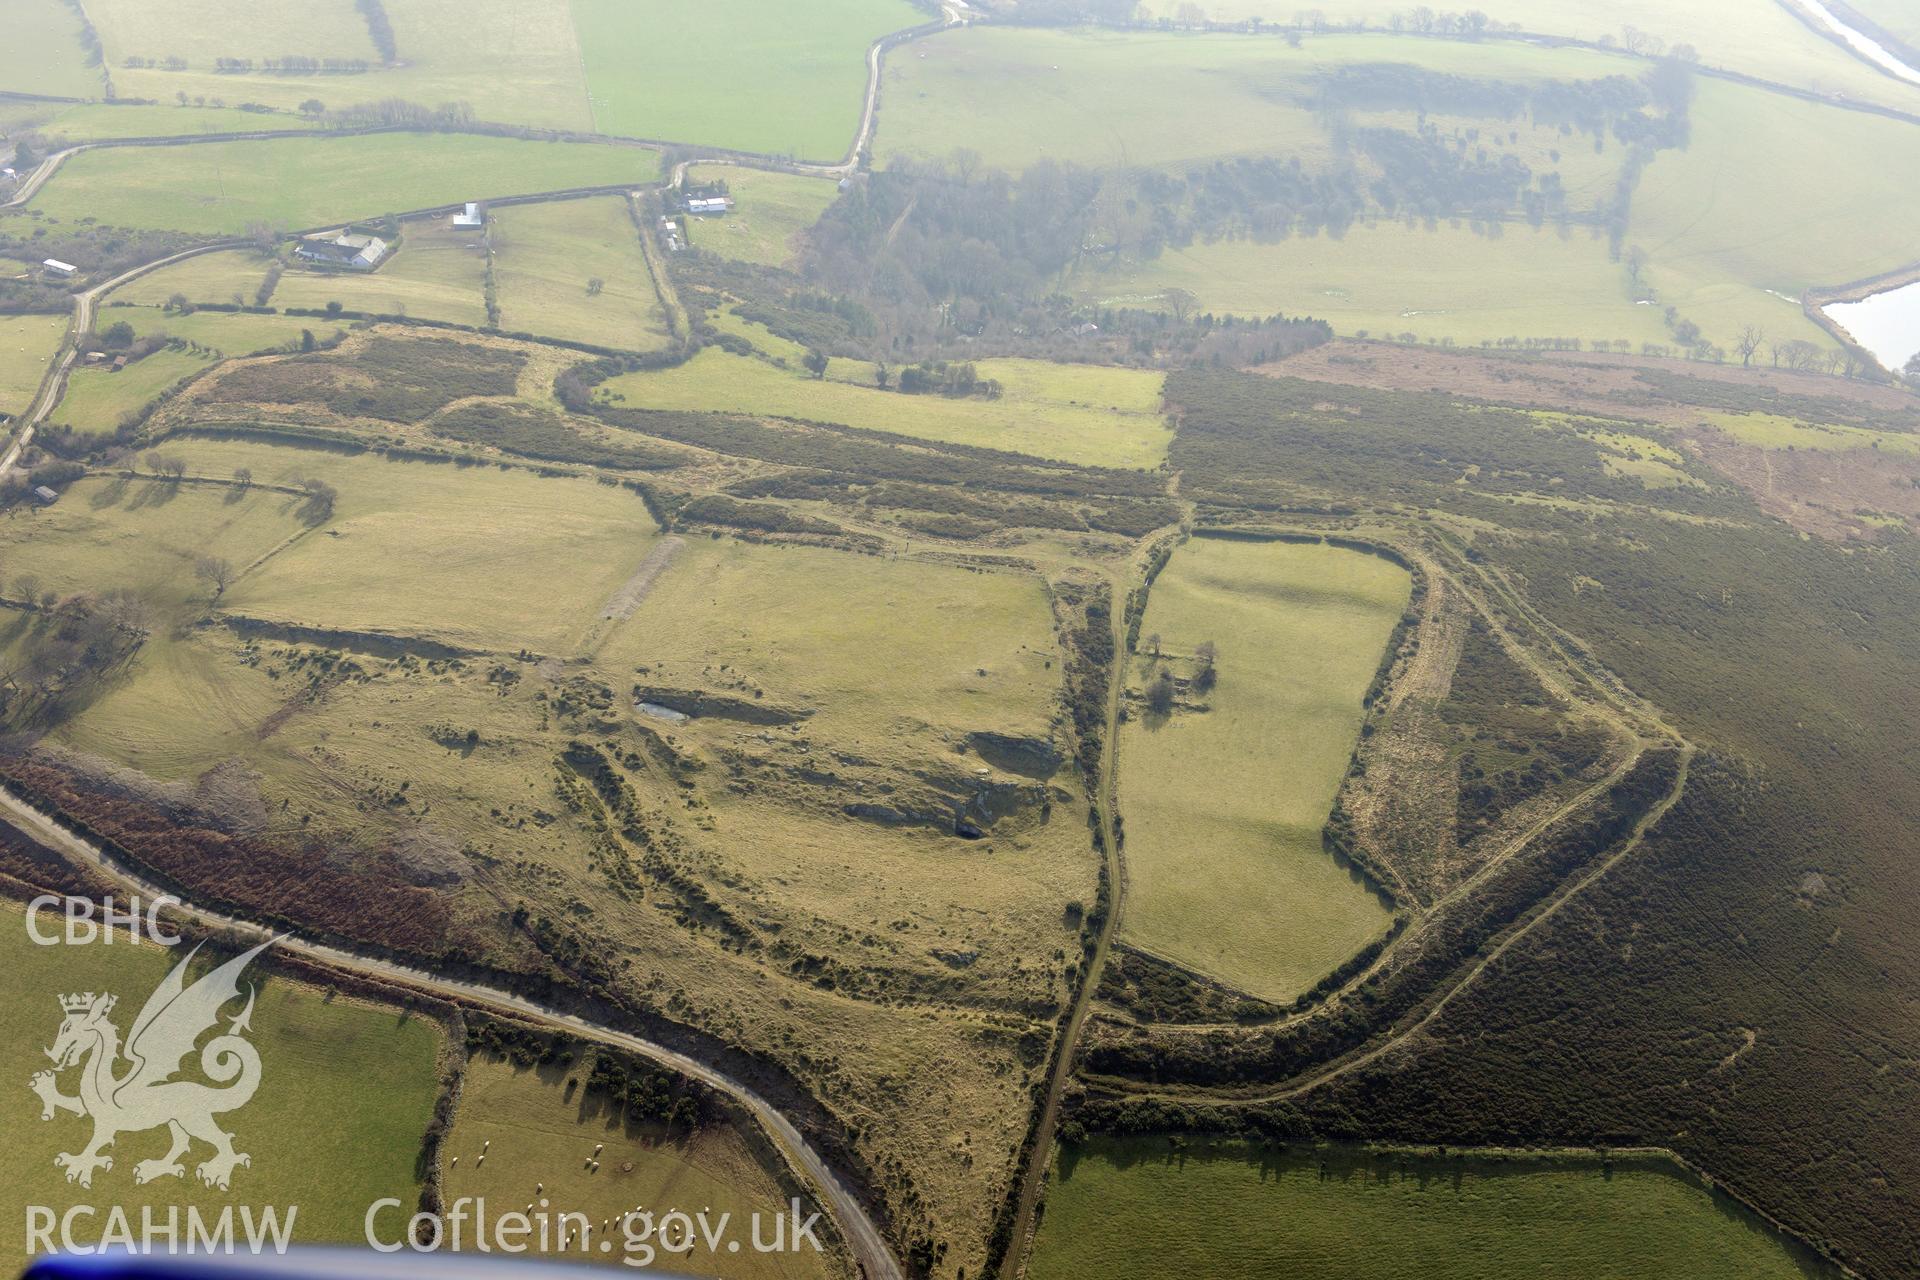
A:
(243, 476)
(1751, 336)
(1160, 694)
(1153, 644)
(27, 587)
(1207, 655)
(216, 572)
(265, 236)
(1800, 355)
(594, 286)
(318, 506)
(1181, 302)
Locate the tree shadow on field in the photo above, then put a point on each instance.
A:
(155, 493)
(111, 494)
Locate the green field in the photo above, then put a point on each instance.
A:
(1225, 871)
(1901, 18)
(42, 53)
(346, 1092)
(771, 210)
(1763, 40)
(229, 333)
(1389, 279)
(1136, 1208)
(515, 61)
(205, 277)
(202, 30)
(95, 121)
(1150, 100)
(438, 273)
(544, 257)
(753, 75)
(1771, 431)
(1075, 413)
(535, 1128)
(97, 399)
(221, 187)
(1725, 220)
(27, 344)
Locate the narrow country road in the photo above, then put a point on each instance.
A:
(868, 1246)
(55, 382)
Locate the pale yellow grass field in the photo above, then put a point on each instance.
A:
(1223, 808)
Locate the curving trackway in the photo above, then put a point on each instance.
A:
(863, 1238)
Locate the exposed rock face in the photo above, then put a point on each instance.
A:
(1034, 757)
(698, 702)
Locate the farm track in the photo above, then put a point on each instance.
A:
(54, 384)
(863, 1238)
(1033, 1177)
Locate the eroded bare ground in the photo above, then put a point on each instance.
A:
(1407, 799)
(1861, 494)
(1589, 382)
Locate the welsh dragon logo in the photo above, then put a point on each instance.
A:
(144, 1093)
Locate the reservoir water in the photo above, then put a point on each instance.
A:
(1872, 50)
(1887, 323)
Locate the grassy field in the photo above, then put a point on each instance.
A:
(205, 277)
(515, 61)
(42, 52)
(1899, 17)
(227, 332)
(97, 399)
(1389, 279)
(1724, 220)
(438, 273)
(97, 121)
(203, 30)
(1771, 431)
(920, 666)
(753, 75)
(401, 554)
(27, 343)
(1150, 100)
(535, 1127)
(1099, 416)
(1760, 39)
(1224, 807)
(1132, 1208)
(221, 187)
(346, 1092)
(771, 210)
(544, 257)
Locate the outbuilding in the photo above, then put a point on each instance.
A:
(353, 252)
(56, 267)
(45, 496)
(471, 220)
